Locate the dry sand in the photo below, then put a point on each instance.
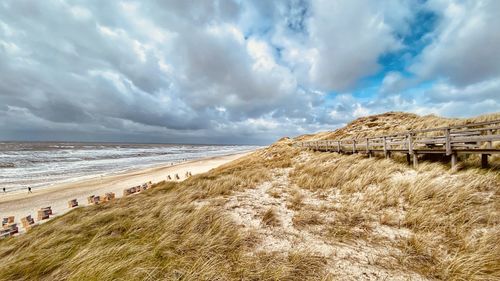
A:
(21, 204)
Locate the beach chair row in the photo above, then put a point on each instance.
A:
(137, 189)
(10, 228)
(96, 199)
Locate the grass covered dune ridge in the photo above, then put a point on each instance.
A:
(282, 213)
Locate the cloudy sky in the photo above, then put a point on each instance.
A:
(235, 71)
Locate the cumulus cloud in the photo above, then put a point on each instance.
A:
(231, 71)
(466, 43)
(348, 37)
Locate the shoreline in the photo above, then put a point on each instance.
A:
(21, 203)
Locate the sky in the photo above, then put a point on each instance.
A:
(235, 71)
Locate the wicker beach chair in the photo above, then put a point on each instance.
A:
(127, 192)
(43, 214)
(9, 230)
(48, 209)
(72, 203)
(108, 196)
(28, 222)
(8, 220)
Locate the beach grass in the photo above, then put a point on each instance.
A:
(280, 213)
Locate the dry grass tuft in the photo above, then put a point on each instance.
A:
(428, 223)
(304, 218)
(270, 218)
(451, 215)
(170, 239)
(296, 200)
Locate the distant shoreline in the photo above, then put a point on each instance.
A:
(20, 203)
(40, 165)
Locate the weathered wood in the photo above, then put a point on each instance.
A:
(490, 143)
(386, 155)
(451, 141)
(454, 159)
(448, 143)
(410, 144)
(484, 160)
(368, 147)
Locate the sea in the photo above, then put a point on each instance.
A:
(41, 164)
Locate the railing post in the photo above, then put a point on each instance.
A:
(490, 143)
(353, 146)
(411, 151)
(410, 143)
(326, 145)
(448, 141)
(454, 159)
(338, 146)
(368, 147)
(484, 157)
(386, 155)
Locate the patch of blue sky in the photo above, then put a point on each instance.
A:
(414, 41)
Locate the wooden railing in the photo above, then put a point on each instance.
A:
(472, 138)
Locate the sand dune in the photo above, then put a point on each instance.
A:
(21, 204)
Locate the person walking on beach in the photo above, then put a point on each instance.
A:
(29, 189)
(4, 191)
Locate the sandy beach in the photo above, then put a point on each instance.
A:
(21, 204)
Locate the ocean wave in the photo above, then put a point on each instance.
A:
(7, 165)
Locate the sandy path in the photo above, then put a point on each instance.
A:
(22, 204)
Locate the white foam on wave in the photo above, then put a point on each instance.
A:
(38, 165)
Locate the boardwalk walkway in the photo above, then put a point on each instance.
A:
(474, 138)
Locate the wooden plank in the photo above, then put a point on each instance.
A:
(410, 144)
(385, 147)
(490, 143)
(486, 138)
(448, 144)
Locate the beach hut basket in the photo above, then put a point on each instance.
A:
(48, 209)
(108, 196)
(27, 222)
(9, 230)
(8, 220)
(72, 203)
(43, 214)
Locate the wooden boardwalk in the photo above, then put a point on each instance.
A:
(474, 138)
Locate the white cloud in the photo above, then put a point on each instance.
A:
(466, 43)
(347, 38)
(232, 70)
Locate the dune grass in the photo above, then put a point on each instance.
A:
(159, 234)
(453, 216)
(430, 222)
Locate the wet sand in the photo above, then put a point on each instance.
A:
(21, 204)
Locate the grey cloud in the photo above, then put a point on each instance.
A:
(220, 70)
(466, 43)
